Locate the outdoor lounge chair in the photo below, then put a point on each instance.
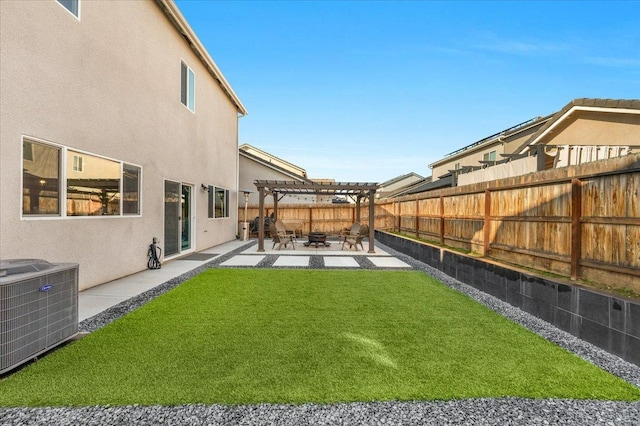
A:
(281, 236)
(355, 236)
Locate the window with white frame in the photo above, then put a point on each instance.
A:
(94, 185)
(72, 6)
(77, 163)
(218, 202)
(187, 87)
(489, 156)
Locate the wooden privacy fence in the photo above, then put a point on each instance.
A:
(581, 221)
(329, 218)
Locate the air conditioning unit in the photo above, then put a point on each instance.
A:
(38, 308)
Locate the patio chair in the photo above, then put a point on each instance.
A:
(355, 236)
(281, 236)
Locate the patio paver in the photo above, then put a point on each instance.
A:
(243, 260)
(292, 261)
(340, 262)
(388, 262)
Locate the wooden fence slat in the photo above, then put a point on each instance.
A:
(487, 222)
(576, 230)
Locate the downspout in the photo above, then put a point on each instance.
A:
(238, 116)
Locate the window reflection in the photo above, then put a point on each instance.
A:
(130, 189)
(40, 177)
(96, 189)
(221, 198)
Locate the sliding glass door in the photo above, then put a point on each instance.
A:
(185, 215)
(178, 229)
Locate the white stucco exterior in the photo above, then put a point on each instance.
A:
(109, 84)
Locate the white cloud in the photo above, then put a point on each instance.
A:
(493, 42)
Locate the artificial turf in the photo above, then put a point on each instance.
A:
(294, 336)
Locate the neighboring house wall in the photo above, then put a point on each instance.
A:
(108, 86)
(279, 163)
(251, 171)
(393, 185)
(256, 164)
(521, 166)
(507, 144)
(584, 130)
(596, 128)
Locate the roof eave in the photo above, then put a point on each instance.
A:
(175, 16)
(568, 110)
(246, 148)
(272, 166)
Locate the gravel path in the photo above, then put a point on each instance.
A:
(483, 411)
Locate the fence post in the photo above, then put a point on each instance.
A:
(395, 213)
(400, 216)
(576, 228)
(540, 157)
(441, 220)
(487, 221)
(417, 218)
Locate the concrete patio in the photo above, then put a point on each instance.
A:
(102, 297)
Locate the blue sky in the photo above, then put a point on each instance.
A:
(369, 90)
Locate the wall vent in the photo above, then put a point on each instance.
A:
(38, 308)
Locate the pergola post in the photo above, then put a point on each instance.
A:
(261, 219)
(358, 199)
(275, 205)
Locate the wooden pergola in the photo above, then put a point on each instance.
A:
(278, 188)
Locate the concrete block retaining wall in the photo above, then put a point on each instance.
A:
(609, 322)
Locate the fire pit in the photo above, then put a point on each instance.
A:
(317, 238)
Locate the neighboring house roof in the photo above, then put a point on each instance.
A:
(399, 179)
(175, 16)
(444, 182)
(582, 104)
(497, 137)
(273, 162)
(426, 184)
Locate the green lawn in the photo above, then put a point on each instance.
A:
(294, 336)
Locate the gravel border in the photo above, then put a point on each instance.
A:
(477, 411)
(485, 411)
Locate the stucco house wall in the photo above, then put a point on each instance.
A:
(509, 144)
(109, 84)
(591, 128)
(251, 170)
(388, 187)
(584, 130)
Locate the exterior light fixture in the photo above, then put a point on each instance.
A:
(245, 224)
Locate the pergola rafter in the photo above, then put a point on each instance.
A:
(359, 190)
